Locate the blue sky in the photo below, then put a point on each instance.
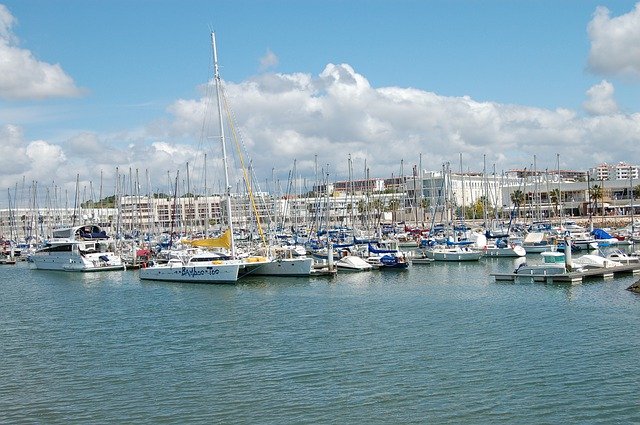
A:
(318, 81)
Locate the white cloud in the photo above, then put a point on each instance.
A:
(7, 21)
(295, 116)
(600, 99)
(615, 43)
(91, 157)
(35, 160)
(22, 76)
(268, 61)
(322, 120)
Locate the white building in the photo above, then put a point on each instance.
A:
(619, 171)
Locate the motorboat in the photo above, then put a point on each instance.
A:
(537, 242)
(593, 261)
(353, 263)
(85, 248)
(621, 257)
(554, 264)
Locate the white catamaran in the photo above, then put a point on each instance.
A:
(206, 266)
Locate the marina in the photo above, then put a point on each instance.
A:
(295, 232)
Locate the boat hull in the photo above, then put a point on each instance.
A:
(70, 262)
(299, 266)
(210, 273)
(516, 251)
(353, 263)
(453, 255)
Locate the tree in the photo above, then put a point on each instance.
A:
(596, 193)
(376, 205)
(517, 198)
(475, 210)
(393, 206)
(362, 206)
(554, 196)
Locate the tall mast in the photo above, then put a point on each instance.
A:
(462, 190)
(485, 187)
(206, 197)
(560, 194)
(631, 197)
(222, 142)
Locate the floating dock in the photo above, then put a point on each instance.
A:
(319, 269)
(572, 277)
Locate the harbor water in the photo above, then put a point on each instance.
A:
(438, 343)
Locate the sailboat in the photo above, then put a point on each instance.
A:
(225, 265)
(205, 266)
(456, 246)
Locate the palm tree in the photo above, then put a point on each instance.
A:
(517, 198)
(596, 193)
(377, 205)
(554, 196)
(393, 206)
(425, 204)
(362, 206)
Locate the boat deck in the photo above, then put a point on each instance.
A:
(572, 277)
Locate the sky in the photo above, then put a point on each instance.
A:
(315, 88)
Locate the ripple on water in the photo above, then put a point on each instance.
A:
(439, 343)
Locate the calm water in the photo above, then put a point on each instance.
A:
(436, 343)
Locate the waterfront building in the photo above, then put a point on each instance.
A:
(418, 197)
(619, 171)
(465, 189)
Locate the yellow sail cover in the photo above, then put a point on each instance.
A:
(224, 241)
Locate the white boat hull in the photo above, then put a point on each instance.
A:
(537, 249)
(298, 266)
(541, 270)
(516, 251)
(453, 254)
(71, 262)
(225, 272)
(353, 263)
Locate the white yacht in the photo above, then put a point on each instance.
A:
(84, 248)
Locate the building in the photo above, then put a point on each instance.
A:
(619, 171)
